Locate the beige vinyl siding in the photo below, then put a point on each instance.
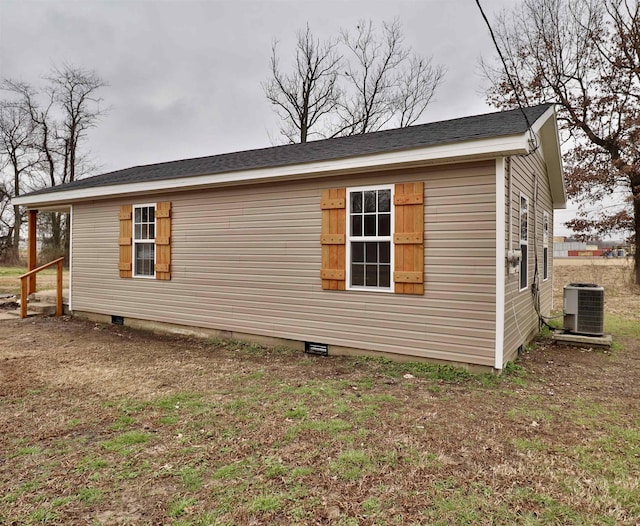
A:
(247, 259)
(521, 320)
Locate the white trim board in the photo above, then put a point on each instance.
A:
(500, 260)
(464, 151)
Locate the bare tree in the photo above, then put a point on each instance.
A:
(583, 55)
(385, 80)
(75, 91)
(7, 252)
(304, 97)
(16, 136)
(59, 117)
(379, 83)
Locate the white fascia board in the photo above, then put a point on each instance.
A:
(542, 120)
(463, 151)
(70, 258)
(546, 129)
(500, 261)
(553, 157)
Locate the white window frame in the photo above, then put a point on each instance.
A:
(349, 238)
(545, 246)
(135, 241)
(524, 257)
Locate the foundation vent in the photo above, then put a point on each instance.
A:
(321, 349)
(117, 320)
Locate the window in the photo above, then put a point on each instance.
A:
(545, 245)
(524, 241)
(369, 238)
(372, 238)
(144, 234)
(145, 241)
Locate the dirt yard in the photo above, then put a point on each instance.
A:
(103, 425)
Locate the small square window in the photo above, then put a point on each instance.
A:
(356, 225)
(370, 201)
(356, 202)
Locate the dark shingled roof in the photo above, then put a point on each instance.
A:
(497, 124)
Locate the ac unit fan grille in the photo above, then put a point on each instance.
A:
(590, 310)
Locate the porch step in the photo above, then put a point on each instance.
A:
(41, 303)
(38, 309)
(48, 296)
(16, 313)
(42, 308)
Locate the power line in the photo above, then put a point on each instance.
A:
(504, 65)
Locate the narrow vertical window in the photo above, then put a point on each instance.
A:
(144, 234)
(545, 245)
(524, 242)
(369, 238)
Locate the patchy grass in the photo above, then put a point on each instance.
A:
(119, 429)
(46, 280)
(104, 425)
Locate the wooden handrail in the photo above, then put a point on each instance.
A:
(24, 285)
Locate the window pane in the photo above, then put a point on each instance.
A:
(371, 276)
(370, 225)
(145, 214)
(152, 231)
(357, 275)
(384, 201)
(371, 255)
(385, 252)
(384, 224)
(357, 252)
(385, 275)
(138, 232)
(523, 218)
(356, 202)
(524, 278)
(370, 201)
(144, 259)
(356, 225)
(138, 215)
(145, 232)
(152, 213)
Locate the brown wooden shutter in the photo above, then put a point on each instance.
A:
(408, 238)
(332, 239)
(125, 262)
(163, 240)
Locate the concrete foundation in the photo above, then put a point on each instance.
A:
(583, 340)
(334, 350)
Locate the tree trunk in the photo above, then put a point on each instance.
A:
(56, 231)
(635, 189)
(67, 237)
(17, 224)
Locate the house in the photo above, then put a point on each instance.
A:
(428, 242)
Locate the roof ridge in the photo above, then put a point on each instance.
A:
(319, 141)
(460, 129)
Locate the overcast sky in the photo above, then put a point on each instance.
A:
(185, 76)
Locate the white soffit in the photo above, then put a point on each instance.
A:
(547, 130)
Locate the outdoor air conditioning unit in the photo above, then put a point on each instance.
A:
(584, 309)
